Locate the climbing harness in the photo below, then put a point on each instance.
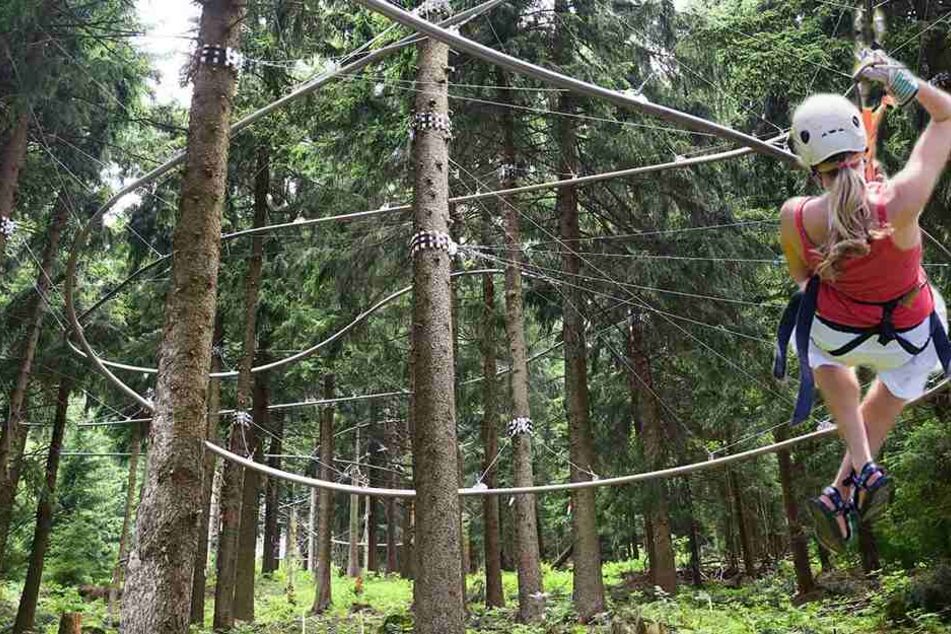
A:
(799, 315)
(801, 311)
(432, 240)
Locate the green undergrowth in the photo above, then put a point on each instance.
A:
(852, 604)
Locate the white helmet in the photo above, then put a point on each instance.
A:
(825, 125)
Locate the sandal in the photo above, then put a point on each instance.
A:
(871, 498)
(828, 530)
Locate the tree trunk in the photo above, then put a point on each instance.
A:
(291, 557)
(272, 498)
(311, 561)
(494, 596)
(649, 545)
(26, 613)
(353, 531)
(242, 439)
(407, 552)
(588, 586)
(391, 440)
(12, 156)
(746, 546)
(208, 479)
(157, 597)
(250, 510)
(825, 558)
(439, 603)
(13, 437)
(530, 597)
(70, 623)
(657, 521)
(325, 505)
(118, 572)
(373, 519)
(868, 549)
(696, 561)
(797, 538)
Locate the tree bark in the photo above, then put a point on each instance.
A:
(373, 519)
(407, 552)
(199, 577)
(13, 436)
(272, 534)
(696, 563)
(12, 157)
(353, 532)
(746, 546)
(868, 549)
(250, 510)
(118, 572)
(439, 604)
(157, 597)
(391, 440)
(242, 440)
(657, 520)
(291, 557)
(70, 623)
(798, 543)
(530, 599)
(325, 506)
(26, 613)
(494, 596)
(588, 586)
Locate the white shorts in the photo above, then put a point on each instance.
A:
(904, 375)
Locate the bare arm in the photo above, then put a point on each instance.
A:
(789, 239)
(914, 185)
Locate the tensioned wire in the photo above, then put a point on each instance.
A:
(519, 267)
(636, 300)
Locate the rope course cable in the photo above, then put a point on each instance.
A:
(670, 472)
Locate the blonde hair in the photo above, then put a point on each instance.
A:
(852, 225)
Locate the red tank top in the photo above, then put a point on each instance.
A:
(886, 273)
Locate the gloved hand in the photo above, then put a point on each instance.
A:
(876, 66)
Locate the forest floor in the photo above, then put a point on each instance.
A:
(851, 604)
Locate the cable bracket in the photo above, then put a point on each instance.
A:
(7, 227)
(520, 425)
(242, 418)
(223, 56)
(432, 240)
(430, 121)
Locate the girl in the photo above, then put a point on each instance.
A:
(856, 253)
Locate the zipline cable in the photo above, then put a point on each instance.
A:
(546, 75)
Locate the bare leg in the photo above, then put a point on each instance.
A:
(880, 410)
(842, 393)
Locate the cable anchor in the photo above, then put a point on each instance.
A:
(430, 121)
(221, 56)
(520, 425)
(432, 240)
(7, 227)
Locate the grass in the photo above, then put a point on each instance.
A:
(762, 606)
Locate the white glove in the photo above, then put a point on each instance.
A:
(876, 66)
